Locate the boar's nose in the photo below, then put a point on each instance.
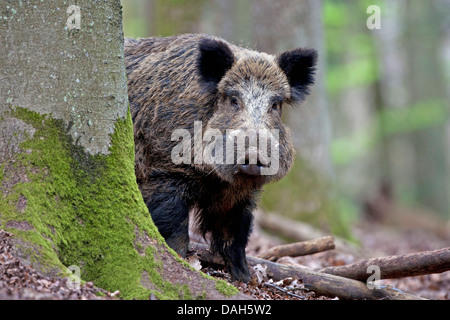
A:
(252, 163)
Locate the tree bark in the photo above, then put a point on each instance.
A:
(67, 186)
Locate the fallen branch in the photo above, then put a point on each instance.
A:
(299, 231)
(321, 283)
(299, 248)
(331, 285)
(409, 265)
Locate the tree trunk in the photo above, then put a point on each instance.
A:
(67, 185)
(401, 163)
(426, 85)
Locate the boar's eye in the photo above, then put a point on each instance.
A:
(277, 107)
(234, 102)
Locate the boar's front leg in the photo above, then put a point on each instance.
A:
(229, 236)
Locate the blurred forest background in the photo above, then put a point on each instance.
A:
(373, 140)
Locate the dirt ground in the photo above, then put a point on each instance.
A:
(376, 240)
(19, 281)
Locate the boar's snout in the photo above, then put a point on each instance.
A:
(252, 163)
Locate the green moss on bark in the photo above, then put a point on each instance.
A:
(225, 288)
(84, 210)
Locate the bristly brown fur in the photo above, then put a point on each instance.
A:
(176, 81)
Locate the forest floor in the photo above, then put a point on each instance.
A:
(376, 240)
(20, 281)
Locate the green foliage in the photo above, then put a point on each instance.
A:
(386, 123)
(135, 20)
(163, 18)
(335, 14)
(359, 72)
(353, 62)
(351, 53)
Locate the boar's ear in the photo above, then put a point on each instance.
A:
(214, 60)
(299, 67)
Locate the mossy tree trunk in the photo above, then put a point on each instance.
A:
(67, 185)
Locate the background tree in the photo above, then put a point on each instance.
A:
(67, 185)
(387, 95)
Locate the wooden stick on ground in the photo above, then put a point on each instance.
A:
(321, 283)
(299, 231)
(331, 285)
(409, 265)
(299, 248)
